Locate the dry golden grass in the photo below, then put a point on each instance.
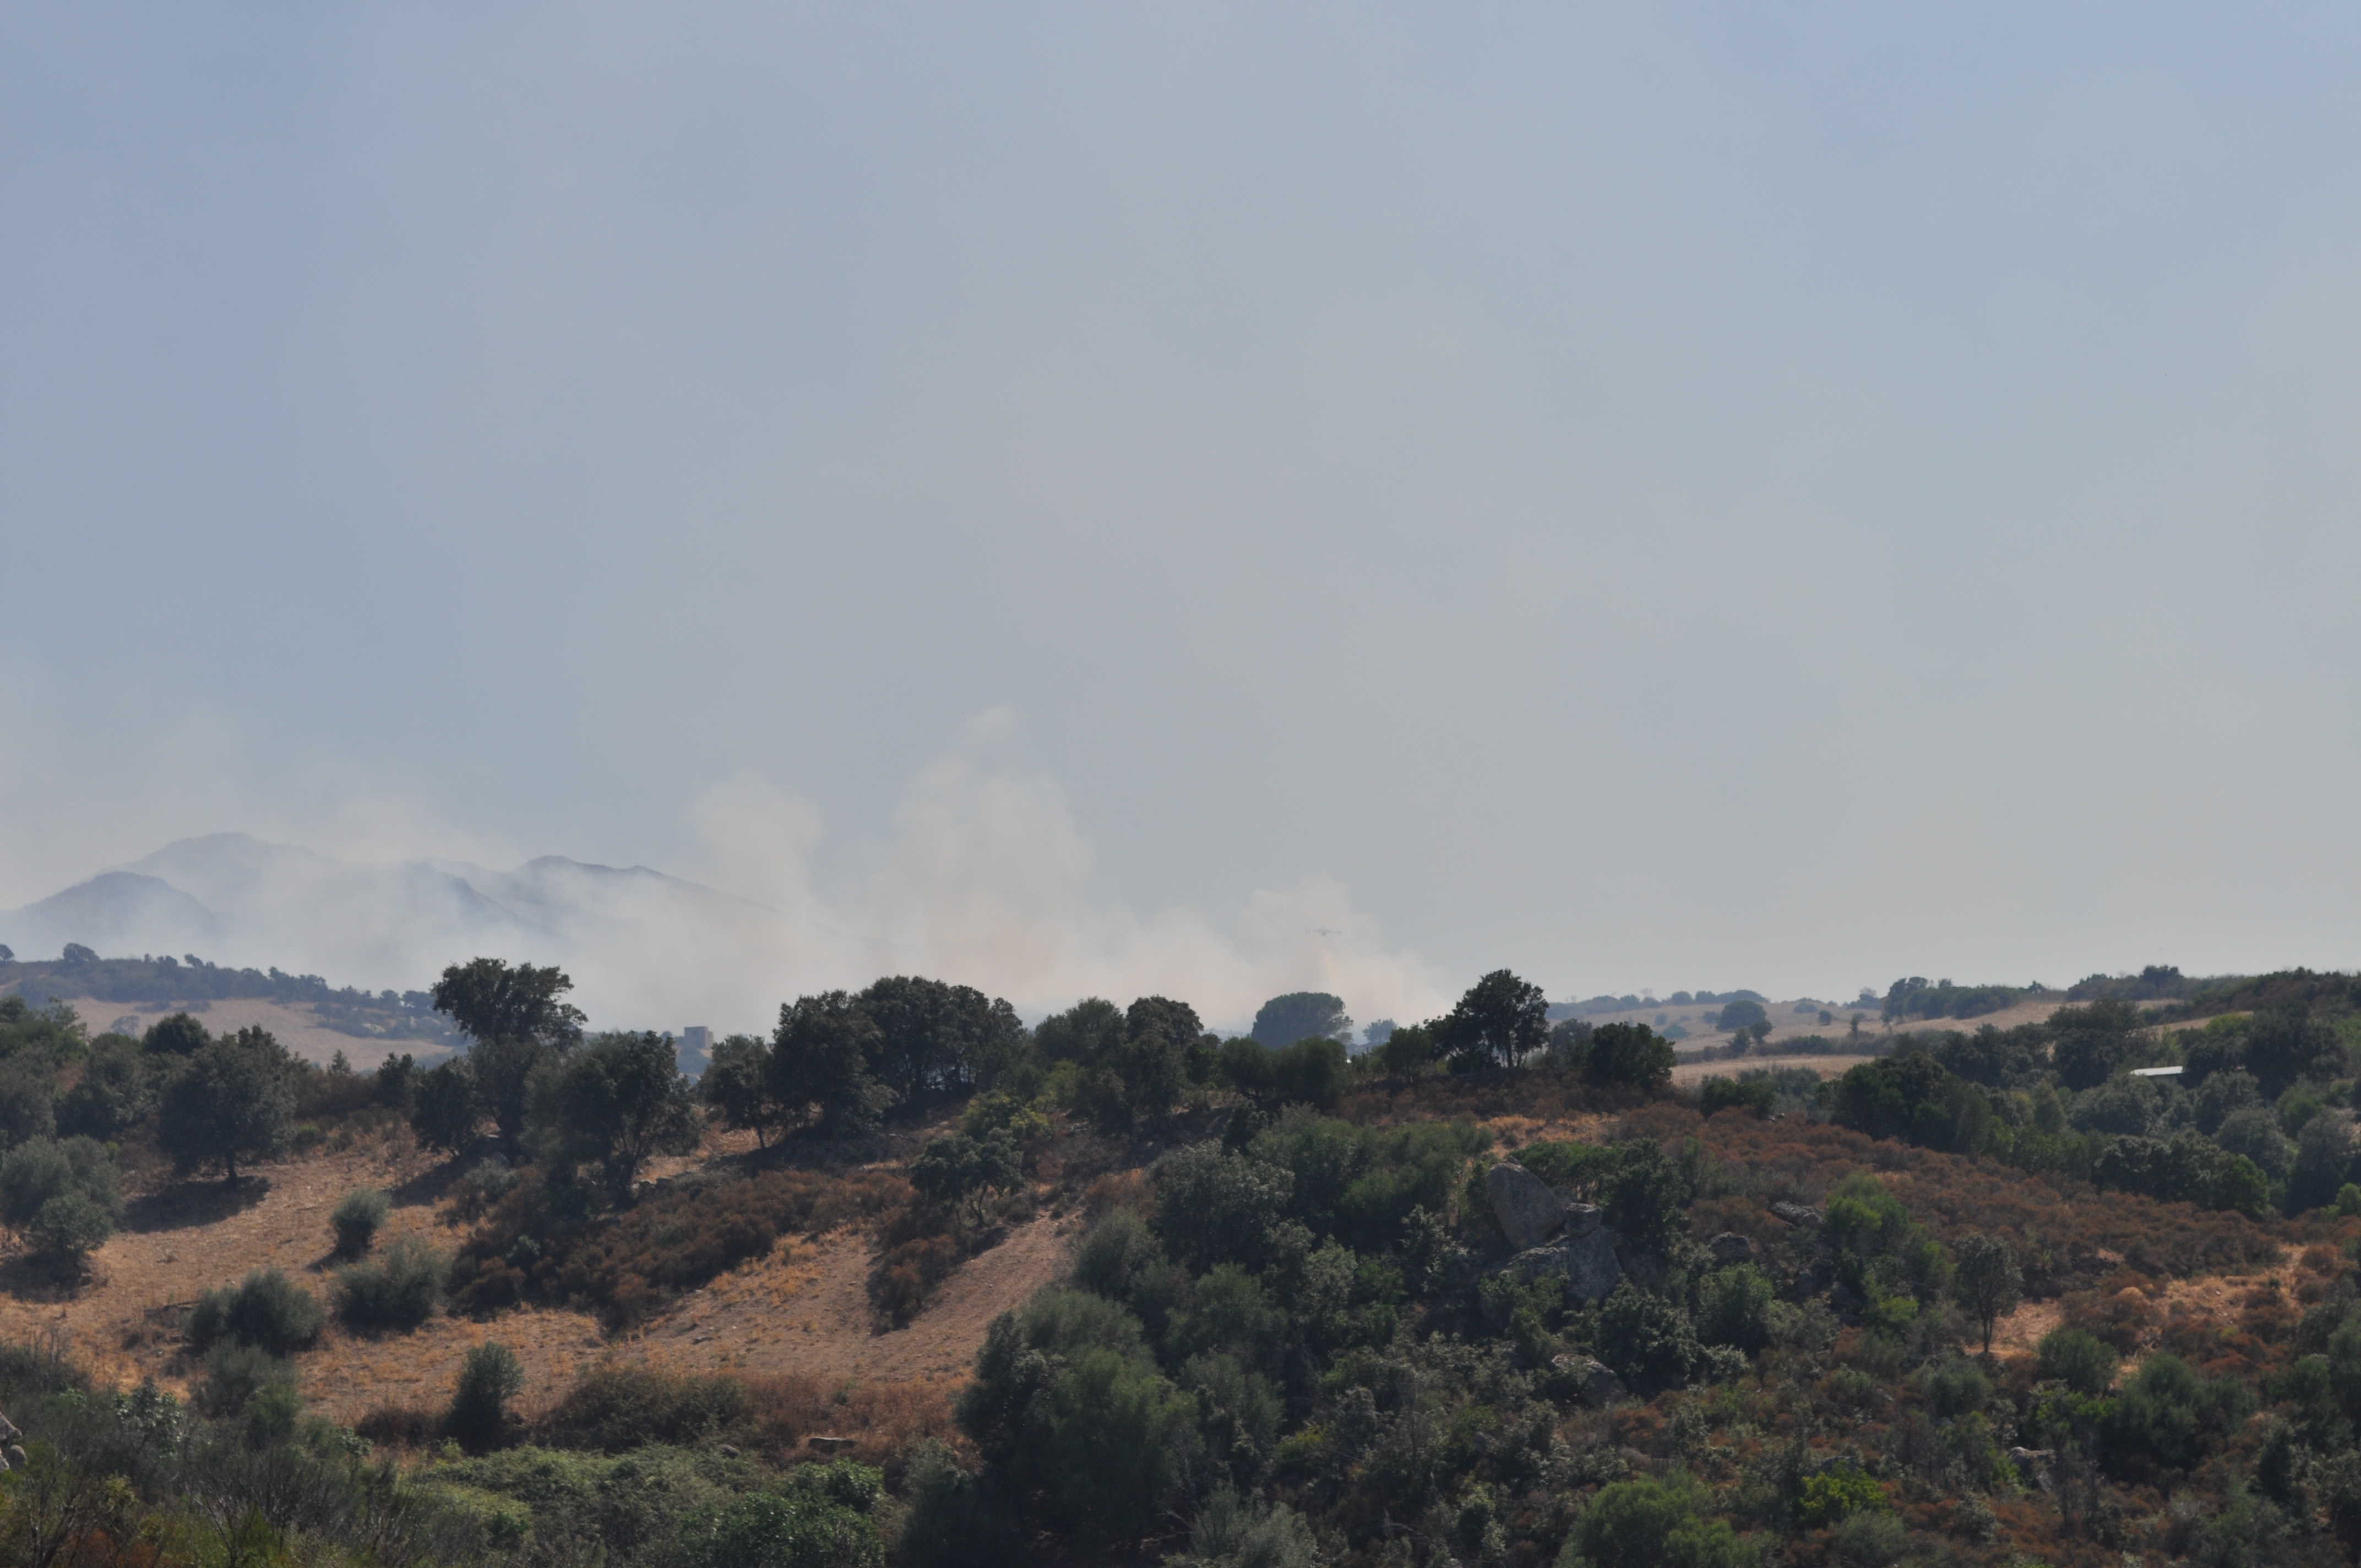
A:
(296, 1027)
(798, 1325)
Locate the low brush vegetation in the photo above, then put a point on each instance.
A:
(1994, 1297)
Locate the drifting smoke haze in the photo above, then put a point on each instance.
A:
(985, 879)
(1208, 500)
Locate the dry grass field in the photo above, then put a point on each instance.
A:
(799, 1320)
(296, 1027)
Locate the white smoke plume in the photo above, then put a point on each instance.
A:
(985, 878)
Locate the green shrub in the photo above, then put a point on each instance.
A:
(1652, 1524)
(267, 1310)
(2168, 1415)
(955, 1519)
(1645, 1338)
(399, 1290)
(1836, 1495)
(1728, 1093)
(1734, 1308)
(1871, 1539)
(1953, 1386)
(357, 1220)
(234, 1373)
(62, 1195)
(2080, 1360)
(617, 1409)
(488, 1379)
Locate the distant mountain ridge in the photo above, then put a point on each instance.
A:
(239, 900)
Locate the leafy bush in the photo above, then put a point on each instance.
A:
(1726, 1093)
(955, 1519)
(357, 1219)
(234, 1373)
(1734, 1308)
(1630, 1055)
(63, 1196)
(1652, 1524)
(1647, 1339)
(267, 1310)
(616, 1409)
(488, 1378)
(2188, 1169)
(399, 1290)
(1212, 1206)
(1915, 1098)
(2169, 1416)
(1838, 1493)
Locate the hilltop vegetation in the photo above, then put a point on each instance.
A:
(150, 980)
(1493, 1293)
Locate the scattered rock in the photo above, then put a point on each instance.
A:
(1587, 1264)
(1599, 1382)
(1526, 1207)
(728, 1451)
(1731, 1247)
(1796, 1213)
(2035, 1461)
(828, 1444)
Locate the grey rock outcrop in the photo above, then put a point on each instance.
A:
(1796, 1213)
(1582, 1219)
(1597, 1381)
(1731, 1247)
(1527, 1210)
(1586, 1263)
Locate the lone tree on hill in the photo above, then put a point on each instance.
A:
(736, 1087)
(1301, 1016)
(1988, 1284)
(616, 1103)
(1501, 1020)
(819, 1066)
(236, 1097)
(518, 1019)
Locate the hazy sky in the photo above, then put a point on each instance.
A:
(1673, 496)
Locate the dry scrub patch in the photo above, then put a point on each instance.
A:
(296, 1027)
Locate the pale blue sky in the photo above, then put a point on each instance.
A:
(1660, 496)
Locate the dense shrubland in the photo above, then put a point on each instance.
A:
(1296, 1327)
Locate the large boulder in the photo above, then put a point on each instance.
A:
(1527, 1210)
(1581, 1219)
(1596, 1381)
(1802, 1215)
(1587, 1264)
(1731, 1247)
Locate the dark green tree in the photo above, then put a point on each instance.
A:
(1652, 1524)
(2287, 1044)
(615, 1103)
(234, 1099)
(177, 1035)
(1632, 1055)
(936, 1039)
(1152, 1064)
(1986, 1281)
(28, 1098)
(1499, 1022)
(2092, 1042)
(63, 1196)
(518, 1017)
(1741, 1015)
(445, 1112)
(1300, 1016)
(737, 1086)
(958, 1172)
(819, 1066)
